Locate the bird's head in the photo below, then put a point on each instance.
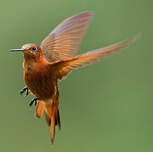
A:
(30, 51)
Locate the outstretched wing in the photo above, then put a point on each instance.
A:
(66, 66)
(64, 40)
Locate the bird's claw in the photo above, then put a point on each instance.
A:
(34, 100)
(23, 90)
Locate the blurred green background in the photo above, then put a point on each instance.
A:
(105, 107)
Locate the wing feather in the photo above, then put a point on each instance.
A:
(66, 66)
(63, 42)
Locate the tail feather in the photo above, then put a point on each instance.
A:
(53, 118)
(48, 120)
(40, 109)
(52, 128)
(57, 120)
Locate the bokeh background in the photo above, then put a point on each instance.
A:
(105, 107)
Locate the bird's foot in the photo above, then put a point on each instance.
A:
(23, 90)
(34, 100)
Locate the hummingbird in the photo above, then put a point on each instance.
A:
(53, 60)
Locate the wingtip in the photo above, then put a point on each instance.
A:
(138, 36)
(135, 37)
(131, 40)
(90, 13)
(85, 13)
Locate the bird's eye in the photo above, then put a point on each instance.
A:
(33, 49)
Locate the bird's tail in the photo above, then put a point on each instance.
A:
(52, 118)
(40, 109)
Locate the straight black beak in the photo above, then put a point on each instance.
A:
(14, 50)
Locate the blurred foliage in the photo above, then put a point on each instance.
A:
(107, 106)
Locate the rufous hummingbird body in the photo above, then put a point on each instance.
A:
(50, 62)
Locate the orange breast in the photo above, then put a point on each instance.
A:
(40, 82)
